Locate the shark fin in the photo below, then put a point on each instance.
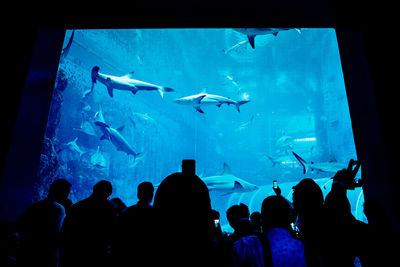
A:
(161, 92)
(198, 99)
(120, 129)
(302, 162)
(219, 105)
(133, 122)
(135, 155)
(199, 109)
(101, 124)
(110, 90)
(275, 33)
(239, 103)
(227, 170)
(237, 186)
(129, 75)
(251, 40)
(272, 160)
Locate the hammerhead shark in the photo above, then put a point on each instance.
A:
(124, 83)
(208, 99)
(115, 137)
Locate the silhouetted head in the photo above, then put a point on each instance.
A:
(145, 192)
(235, 213)
(182, 204)
(276, 213)
(183, 224)
(59, 190)
(307, 197)
(102, 189)
(255, 218)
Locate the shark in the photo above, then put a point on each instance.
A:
(203, 99)
(331, 167)
(115, 137)
(124, 83)
(74, 147)
(98, 160)
(253, 32)
(228, 183)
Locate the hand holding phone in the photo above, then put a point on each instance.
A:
(276, 188)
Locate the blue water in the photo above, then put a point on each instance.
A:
(297, 96)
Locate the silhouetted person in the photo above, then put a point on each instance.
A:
(246, 246)
(238, 218)
(276, 217)
(184, 224)
(308, 202)
(39, 227)
(133, 236)
(342, 237)
(255, 218)
(88, 228)
(377, 240)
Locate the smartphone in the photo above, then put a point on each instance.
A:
(189, 166)
(275, 184)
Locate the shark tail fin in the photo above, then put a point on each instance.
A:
(162, 90)
(302, 162)
(239, 103)
(251, 40)
(272, 160)
(135, 155)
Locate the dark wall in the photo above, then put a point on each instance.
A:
(366, 41)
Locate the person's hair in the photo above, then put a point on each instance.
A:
(276, 212)
(236, 212)
(182, 203)
(145, 191)
(59, 189)
(102, 189)
(307, 197)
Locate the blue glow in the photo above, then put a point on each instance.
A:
(287, 94)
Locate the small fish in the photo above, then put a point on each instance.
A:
(235, 47)
(246, 124)
(98, 160)
(74, 147)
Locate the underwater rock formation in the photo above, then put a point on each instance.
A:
(54, 114)
(48, 169)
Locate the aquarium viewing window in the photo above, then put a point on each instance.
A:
(249, 105)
